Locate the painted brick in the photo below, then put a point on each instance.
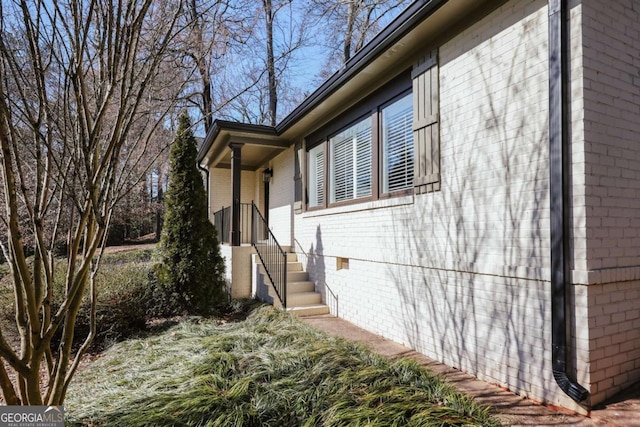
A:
(611, 102)
(220, 188)
(481, 304)
(462, 274)
(281, 196)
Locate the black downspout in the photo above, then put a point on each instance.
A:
(559, 192)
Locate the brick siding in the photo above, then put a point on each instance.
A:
(462, 274)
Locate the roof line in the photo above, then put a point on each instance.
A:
(415, 13)
(400, 26)
(219, 125)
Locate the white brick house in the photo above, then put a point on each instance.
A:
(469, 186)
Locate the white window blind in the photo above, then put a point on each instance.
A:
(397, 145)
(316, 176)
(363, 161)
(350, 162)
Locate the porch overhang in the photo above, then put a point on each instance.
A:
(259, 145)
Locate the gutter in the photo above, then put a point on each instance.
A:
(414, 14)
(220, 125)
(559, 191)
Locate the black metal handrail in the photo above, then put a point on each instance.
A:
(273, 257)
(222, 221)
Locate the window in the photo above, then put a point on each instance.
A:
(370, 158)
(350, 162)
(385, 146)
(316, 176)
(297, 177)
(397, 145)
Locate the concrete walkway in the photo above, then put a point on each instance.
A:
(511, 409)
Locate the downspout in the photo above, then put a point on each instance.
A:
(559, 193)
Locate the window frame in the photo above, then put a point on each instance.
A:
(328, 180)
(402, 191)
(370, 107)
(307, 189)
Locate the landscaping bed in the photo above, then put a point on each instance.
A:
(266, 370)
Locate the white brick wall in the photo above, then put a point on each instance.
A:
(238, 272)
(281, 197)
(612, 132)
(220, 188)
(611, 86)
(492, 213)
(462, 274)
(614, 337)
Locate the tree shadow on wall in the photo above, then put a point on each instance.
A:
(475, 293)
(317, 270)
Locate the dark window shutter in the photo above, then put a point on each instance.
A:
(426, 126)
(297, 178)
(316, 177)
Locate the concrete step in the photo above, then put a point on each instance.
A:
(292, 257)
(309, 310)
(297, 276)
(298, 292)
(297, 287)
(304, 298)
(294, 266)
(266, 242)
(301, 296)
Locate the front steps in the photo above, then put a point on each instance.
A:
(302, 298)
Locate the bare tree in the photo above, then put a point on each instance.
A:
(267, 61)
(272, 88)
(139, 211)
(213, 29)
(77, 111)
(349, 24)
(235, 55)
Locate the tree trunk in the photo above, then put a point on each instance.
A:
(88, 164)
(352, 13)
(271, 68)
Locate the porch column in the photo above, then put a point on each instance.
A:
(236, 168)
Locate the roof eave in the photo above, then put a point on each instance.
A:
(229, 126)
(395, 31)
(399, 27)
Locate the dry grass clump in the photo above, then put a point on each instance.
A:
(268, 370)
